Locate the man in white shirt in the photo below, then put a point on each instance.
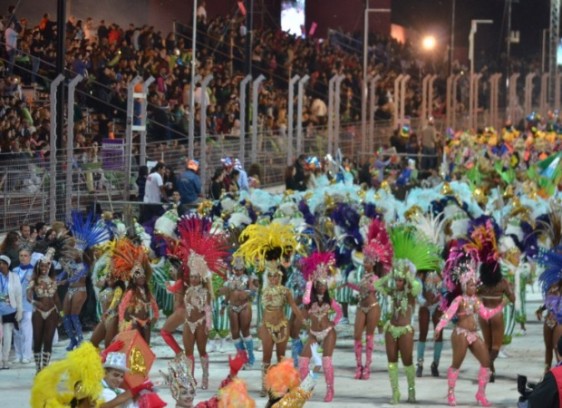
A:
(154, 193)
(11, 309)
(202, 12)
(11, 39)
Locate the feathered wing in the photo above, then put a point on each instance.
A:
(552, 273)
(87, 232)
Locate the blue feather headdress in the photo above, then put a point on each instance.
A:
(552, 261)
(87, 232)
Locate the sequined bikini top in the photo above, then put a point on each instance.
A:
(238, 282)
(274, 297)
(320, 311)
(195, 298)
(45, 288)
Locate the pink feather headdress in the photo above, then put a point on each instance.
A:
(318, 266)
(378, 248)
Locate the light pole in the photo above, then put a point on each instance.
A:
(365, 86)
(191, 141)
(544, 33)
(473, 29)
(452, 46)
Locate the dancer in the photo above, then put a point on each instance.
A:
(429, 311)
(109, 298)
(239, 290)
(177, 318)
(138, 309)
(465, 336)
(491, 291)
(411, 253)
(220, 319)
(377, 260)
(265, 244)
(11, 309)
(284, 387)
(76, 258)
(318, 269)
(202, 254)
(42, 294)
(551, 286)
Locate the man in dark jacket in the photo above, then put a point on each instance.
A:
(189, 186)
(545, 394)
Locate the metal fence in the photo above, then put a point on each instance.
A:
(36, 188)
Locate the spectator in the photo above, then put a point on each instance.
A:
(10, 247)
(11, 309)
(23, 336)
(11, 39)
(154, 193)
(217, 185)
(299, 178)
(428, 142)
(189, 185)
(141, 182)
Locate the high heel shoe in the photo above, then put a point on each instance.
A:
(482, 400)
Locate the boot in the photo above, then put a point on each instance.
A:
(411, 377)
(67, 324)
(483, 378)
(369, 347)
(303, 367)
(452, 376)
(328, 368)
(264, 368)
(77, 328)
(421, 353)
(170, 341)
(46, 358)
(239, 345)
(437, 348)
(493, 356)
(393, 375)
(37, 358)
(296, 350)
(205, 368)
(419, 368)
(249, 345)
(358, 347)
(191, 359)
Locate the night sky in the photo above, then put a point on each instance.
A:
(530, 17)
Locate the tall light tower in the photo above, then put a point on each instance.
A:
(554, 38)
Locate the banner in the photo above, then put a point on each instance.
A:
(113, 154)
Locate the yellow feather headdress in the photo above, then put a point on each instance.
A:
(261, 243)
(80, 373)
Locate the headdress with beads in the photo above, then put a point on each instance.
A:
(129, 261)
(319, 267)
(378, 248)
(201, 251)
(179, 377)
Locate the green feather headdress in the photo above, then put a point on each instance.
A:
(413, 247)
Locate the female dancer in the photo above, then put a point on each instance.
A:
(109, 298)
(552, 292)
(411, 253)
(429, 310)
(318, 269)
(202, 254)
(465, 335)
(492, 290)
(266, 244)
(138, 309)
(42, 294)
(177, 318)
(239, 290)
(377, 260)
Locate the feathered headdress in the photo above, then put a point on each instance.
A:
(260, 243)
(413, 252)
(432, 227)
(282, 378)
(483, 235)
(235, 394)
(201, 251)
(87, 232)
(297, 397)
(460, 268)
(378, 248)
(552, 261)
(319, 266)
(82, 369)
(179, 377)
(129, 260)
